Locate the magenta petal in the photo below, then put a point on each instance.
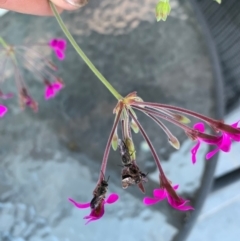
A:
(175, 187)
(49, 92)
(194, 152)
(62, 44)
(3, 110)
(113, 197)
(57, 85)
(235, 124)
(199, 126)
(53, 43)
(90, 220)
(159, 194)
(225, 144)
(212, 153)
(184, 208)
(60, 55)
(150, 201)
(79, 205)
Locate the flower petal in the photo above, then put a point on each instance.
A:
(175, 187)
(225, 144)
(91, 219)
(79, 205)
(194, 151)
(184, 208)
(53, 43)
(212, 153)
(49, 92)
(150, 201)
(160, 194)
(62, 44)
(3, 110)
(113, 197)
(199, 126)
(57, 85)
(60, 54)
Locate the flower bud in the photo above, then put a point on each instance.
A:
(115, 141)
(174, 142)
(134, 126)
(162, 10)
(181, 118)
(131, 148)
(219, 1)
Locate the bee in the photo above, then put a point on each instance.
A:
(132, 175)
(124, 152)
(99, 193)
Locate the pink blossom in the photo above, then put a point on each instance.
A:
(59, 47)
(222, 142)
(234, 136)
(53, 88)
(5, 96)
(3, 110)
(98, 212)
(173, 199)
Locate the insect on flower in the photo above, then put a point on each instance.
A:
(124, 152)
(99, 193)
(131, 175)
(31, 58)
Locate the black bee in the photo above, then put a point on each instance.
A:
(124, 152)
(99, 193)
(132, 175)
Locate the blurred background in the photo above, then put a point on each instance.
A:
(191, 60)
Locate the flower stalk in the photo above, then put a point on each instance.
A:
(83, 55)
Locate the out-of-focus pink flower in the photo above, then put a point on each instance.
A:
(59, 47)
(53, 88)
(98, 212)
(222, 142)
(5, 96)
(26, 100)
(173, 199)
(3, 110)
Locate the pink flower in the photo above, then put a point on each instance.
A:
(53, 88)
(222, 142)
(3, 110)
(234, 136)
(173, 199)
(59, 46)
(98, 212)
(5, 96)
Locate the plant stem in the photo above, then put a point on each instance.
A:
(3, 43)
(82, 54)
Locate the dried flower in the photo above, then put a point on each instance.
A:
(98, 212)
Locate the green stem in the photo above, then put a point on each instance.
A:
(81, 53)
(3, 43)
